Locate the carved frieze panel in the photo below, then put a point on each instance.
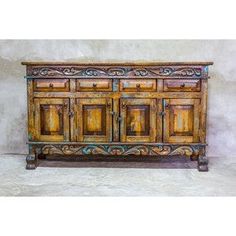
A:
(184, 71)
(123, 150)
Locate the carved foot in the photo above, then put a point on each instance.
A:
(202, 163)
(31, 162)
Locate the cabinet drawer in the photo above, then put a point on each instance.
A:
(173, 85)
(138, 85)
(51, 85)
(87, 85)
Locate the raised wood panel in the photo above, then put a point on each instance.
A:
(51, 119)
(181, 120)
(174, 85)
(51, 85)
(138, 120)
(138, 85)
(93, 119)
(88, 85)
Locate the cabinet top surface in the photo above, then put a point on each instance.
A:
(135, 63)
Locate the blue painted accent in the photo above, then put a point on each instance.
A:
(206, 69)
(115, 85)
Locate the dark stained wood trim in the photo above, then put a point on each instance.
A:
(138, 63)
(118, 143)
(118, 70)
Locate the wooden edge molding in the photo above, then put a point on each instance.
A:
(151, 70)
(138, 63)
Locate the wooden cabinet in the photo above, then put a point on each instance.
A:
(51, 85)
(138, 85)
(153, 109)
(181, 120)
(171, 85)
(94, 85)
(138, 120)
(51, 119)
(94, 119)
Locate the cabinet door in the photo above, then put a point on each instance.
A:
(138, 120)
(94, 119)
(181, 120)
(51, 119)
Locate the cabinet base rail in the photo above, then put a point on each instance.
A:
(196, 152)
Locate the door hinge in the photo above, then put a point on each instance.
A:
(71, 114)
(162, 113)
(119, 118)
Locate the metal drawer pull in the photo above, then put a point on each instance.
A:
(51, 85)
(182, 85)
(71, 114)
(94, 85)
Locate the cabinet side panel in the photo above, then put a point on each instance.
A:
(31, 112)
(203, 111)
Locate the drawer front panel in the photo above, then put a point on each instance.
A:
(51, 85)
(172, 85)
(87, 85)
(138, 85)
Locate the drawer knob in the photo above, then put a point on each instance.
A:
(182, 85)
(51, 85)
(94, 85)
(138, 86)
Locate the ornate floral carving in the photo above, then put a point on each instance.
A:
(62, 149)
(124, 71)
(123, 150)
(172, 71)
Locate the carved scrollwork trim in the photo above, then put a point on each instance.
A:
(62, 150)
(121, 150)
(120, 71)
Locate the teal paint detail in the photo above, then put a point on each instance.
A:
(115, 85)
(30, 136)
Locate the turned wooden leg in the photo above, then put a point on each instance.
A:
(31, 162)
(202, 163)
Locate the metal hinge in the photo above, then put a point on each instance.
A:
(162, 113)
(71, 114)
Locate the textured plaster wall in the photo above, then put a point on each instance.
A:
(222, 86)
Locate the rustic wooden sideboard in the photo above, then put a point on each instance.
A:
(117, 110)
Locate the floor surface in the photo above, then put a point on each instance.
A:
(116, 179)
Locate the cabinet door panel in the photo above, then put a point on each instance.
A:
(51, 119)
(138, 120)
(93, 118)
(181, 121)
